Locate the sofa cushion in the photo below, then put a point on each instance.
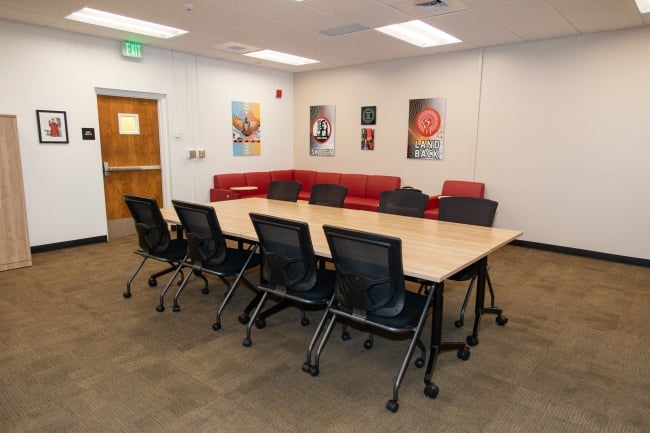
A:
(327, 177)
(228, 180)
(260, 179)
(282, 175)
(463, 188)
(360, 203)
(356, 184)
(306, 179)
(378, 183)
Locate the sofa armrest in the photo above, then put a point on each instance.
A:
(433, 202)
(217, 194)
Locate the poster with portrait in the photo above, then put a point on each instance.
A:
(246, 129)
(321, 130)
(426, 128)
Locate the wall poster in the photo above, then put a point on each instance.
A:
(246, 129)
(321, 133)
(426, 128)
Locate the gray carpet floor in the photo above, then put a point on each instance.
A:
(78, 357)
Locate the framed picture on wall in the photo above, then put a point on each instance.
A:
(52, 126)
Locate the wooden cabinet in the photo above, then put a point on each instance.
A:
(14, 235)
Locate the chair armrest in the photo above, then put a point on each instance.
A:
(217, 194)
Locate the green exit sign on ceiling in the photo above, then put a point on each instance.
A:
(132, 49)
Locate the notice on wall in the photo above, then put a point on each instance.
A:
(321, 130)
(426, 128)
(246, 131)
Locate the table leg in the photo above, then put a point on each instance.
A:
(472, 339)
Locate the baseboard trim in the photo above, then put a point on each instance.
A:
(68, 244)
(583, 253)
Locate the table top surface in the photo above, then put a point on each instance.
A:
(432, 250)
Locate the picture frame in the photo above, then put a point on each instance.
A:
(52, 126)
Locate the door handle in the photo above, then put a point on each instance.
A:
(108, 169)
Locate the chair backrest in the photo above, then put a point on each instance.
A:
(407, 202)
(205, 241)
(328, 194)
(468, 210)
(286, 190)
(288, 255)
(153, 233)
(370, 276)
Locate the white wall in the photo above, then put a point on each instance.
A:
(556, 129)
(48, 69)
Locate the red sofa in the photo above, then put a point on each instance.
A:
(363, 189)
(455, 188)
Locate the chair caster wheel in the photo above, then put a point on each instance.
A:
(306, 366)
(313, 370)
(419, 363)
(160, 308)
(463, 353)
(244, 318)
(304, 321)
(501, 320)
(367, 344)
(345, 336)
(205, 290)
(472, 340)
(176, 308)
(459, 323)
(127, 295)
(216, 326)
(392, 406)
(247, 342)
(260, 323)
(431, 390)
(152, 282)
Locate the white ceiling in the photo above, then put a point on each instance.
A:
(295, 27)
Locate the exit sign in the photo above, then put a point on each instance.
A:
(132, 49)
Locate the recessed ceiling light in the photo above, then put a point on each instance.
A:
(419, 33)
(276, 56)
(643, 5)
(119, 22)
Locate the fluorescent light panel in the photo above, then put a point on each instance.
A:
(418, 33)
(276, 56)
(119, 22)
(643, 5)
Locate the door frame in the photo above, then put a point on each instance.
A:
(163, 132)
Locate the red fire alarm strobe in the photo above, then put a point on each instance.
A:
(278, 93)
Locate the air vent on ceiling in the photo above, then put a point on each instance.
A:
(432, 4)
(235, 47)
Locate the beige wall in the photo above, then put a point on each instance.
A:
(557, 129)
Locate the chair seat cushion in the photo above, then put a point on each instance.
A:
(322, 290)
(235, 259)
(407, 319)
(361, 203)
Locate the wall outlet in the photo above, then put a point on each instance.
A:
(201, 153)
(191, 153)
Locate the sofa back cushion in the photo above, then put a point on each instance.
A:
(306, 179)
(260, 179)
(463, 188)
(356, 184)
(327, 177)
(228, 180)
(281, 175)
(378, 183)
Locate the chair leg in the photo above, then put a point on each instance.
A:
(161, 306)
(127, 294)
(240, 276)
(308, 366)
(461, 320)
(314, 370)
(500, 319)
(247, 341)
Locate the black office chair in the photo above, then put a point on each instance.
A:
(371, 292)
(209, 254)
(475, 211)
(328, 194)
(289, 268)
(406, 202)
(286, 190)
(154, 239)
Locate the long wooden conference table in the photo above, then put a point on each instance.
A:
(432, 250)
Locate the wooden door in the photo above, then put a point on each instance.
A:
(131, 160)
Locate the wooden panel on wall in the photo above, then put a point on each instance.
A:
(14, 235)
